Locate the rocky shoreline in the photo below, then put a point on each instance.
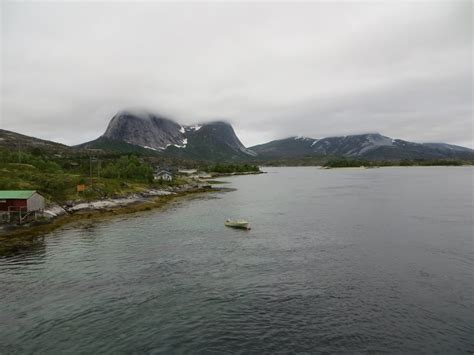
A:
(56, 210)
(55, 215)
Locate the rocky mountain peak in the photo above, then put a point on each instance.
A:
(145, 129)
(207, 141)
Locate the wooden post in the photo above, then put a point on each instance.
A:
(90, 167)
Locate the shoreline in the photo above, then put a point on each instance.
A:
(395, 166)
(217, 175)
(13, 236)
(20, 237)
(367, 167)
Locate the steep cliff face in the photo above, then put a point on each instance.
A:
(146, 130)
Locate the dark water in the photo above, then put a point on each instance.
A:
(376, 260)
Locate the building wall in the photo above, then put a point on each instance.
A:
(36, 202)
(14, 205)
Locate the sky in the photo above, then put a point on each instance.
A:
(273, 70)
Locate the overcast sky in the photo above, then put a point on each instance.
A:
(273, 70)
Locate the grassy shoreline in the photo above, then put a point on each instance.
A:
(241, 173)
(22, 237)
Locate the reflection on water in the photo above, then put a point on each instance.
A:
(23, 249)
(343, 260)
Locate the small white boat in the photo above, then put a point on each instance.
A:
(237, 223)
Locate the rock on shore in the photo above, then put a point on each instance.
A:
(56, 210)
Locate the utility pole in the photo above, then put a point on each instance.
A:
(90, 168)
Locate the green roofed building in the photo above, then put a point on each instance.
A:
(21, 201)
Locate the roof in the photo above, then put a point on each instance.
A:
(187, 171)
(160, 172)
(15, 194)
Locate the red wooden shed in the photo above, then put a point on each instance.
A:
(21, 200)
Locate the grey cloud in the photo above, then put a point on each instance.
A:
(272, 69)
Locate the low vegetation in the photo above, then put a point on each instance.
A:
(346, 163)
(232, 168)
(57, 176)
(341, 162)
(128, 167)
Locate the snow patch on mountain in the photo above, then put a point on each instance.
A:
(372, 141)
(248, 151)
(147, 147)
(194, 128)
(182, 145)
(302, 138)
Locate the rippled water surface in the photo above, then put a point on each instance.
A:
(345, 260)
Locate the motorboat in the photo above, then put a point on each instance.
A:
(237, 223)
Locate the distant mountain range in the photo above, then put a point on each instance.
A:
(152, 134)
(371, 146)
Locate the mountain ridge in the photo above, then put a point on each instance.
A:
(146, 133)
(18, 141)
(372, 146)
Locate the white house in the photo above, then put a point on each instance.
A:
(163, 175)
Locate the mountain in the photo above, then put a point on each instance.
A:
(212, 141)
(130, 130)
(116, 146)
(153, 134)
(15, 141)
(372, 146)
(216, 141)
(285, 148)
(145, 129)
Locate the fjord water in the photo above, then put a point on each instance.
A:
(343, 260)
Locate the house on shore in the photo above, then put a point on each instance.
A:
(20, 204)
(163, 174)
